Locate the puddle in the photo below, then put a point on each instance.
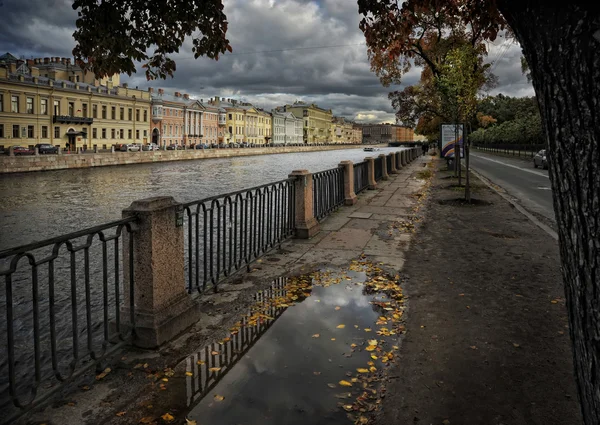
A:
(307, 354)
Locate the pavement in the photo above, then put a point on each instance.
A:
(374, 228)
(530, 186)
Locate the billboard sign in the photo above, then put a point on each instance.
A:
(448, 139)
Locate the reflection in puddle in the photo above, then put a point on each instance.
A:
(312, 360)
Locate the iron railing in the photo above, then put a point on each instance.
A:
(211, 364)
(227, 232)
(522, 151)
(378, 168)
(388, 162)
(361, 176)
(62, 302)
(328, 192)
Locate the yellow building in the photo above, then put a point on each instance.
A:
(317, 121)
(245, 122)
(337, 131)
(357, 134)
(38, 109)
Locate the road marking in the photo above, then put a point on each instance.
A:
(537, 173)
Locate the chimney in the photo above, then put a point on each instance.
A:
(46, 60)
(13, 68)
(68, 61)
(150, 90)
(186, 96)
(35, 71)
(30, 62)
(177, 94)
(161, 92)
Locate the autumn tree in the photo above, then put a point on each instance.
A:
(112, 35)
(561, 45)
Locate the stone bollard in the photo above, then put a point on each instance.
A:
(306, 224)
(163, 308)
(385, 175)
(112, 149)
(11, 151)
(399, 160)
(393, 161)
(58, 150)
(37, 151)
(349, 195)
(371, 173)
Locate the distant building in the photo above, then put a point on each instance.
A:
(49, 100)
(317, 121)
(244, 121)
(287, 128)
(386, 133)
(357, 134)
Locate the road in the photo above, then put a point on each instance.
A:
(530, 186)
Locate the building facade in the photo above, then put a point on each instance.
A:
(244, 122)
(357, 134)
(37, 109)
(386, 133)
(167, 126)
(287, 128)
(317, 121)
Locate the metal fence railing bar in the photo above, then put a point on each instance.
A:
(328, 191)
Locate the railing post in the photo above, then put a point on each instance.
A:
(393, 161)
(306, 224)
(384, 174)
(398, 160)
(371, 173)
(163, 308)
(403, 157)
(349, 195)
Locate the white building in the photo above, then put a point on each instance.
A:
(287, 128)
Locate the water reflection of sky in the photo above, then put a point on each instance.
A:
(41, 205)
(275, 383)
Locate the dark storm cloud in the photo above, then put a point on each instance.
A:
(333, 77)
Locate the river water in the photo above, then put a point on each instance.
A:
(41, 205)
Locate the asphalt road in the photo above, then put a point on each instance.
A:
(530, 186)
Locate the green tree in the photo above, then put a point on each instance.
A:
(561, 44)
(112, 35)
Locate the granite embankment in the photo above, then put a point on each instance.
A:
(23, 164)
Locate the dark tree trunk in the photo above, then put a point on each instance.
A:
(562, 47)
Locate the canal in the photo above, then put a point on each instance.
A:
(41, 205)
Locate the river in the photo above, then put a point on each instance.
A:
(40, 205)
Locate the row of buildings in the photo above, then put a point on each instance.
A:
(51, 100)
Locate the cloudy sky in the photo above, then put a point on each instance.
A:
(324, 57)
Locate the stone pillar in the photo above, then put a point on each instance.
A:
(58, 150)
(112, 149)
(393, 170)
(163, 308)
(349, 195)
(384, 167)
(371, 173)
(306, 224)
(11, 151)
(37, 151)
(399, 160)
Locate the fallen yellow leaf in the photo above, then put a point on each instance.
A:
(214, 369)
(333, 339)
(167, 417)
(316, 335)
(120, 414)
(362, 370)
(341, 326)
(347, 407)
(214, 353)
(190, 422)
(345, 383)
(166, 379)
(189, 374)
(219, 397)
(371, 347)
(146, 420)
(372, 342)
(338, 307)
(367, 329)
(199, 362)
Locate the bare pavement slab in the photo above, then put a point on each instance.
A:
(484, 341)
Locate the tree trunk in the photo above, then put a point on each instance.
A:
(562, 46)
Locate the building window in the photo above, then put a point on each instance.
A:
(94, 133)
(84, 110)
(30, 134)
(112, 133)
(94, 111)
(145, 116)
(57, 132)
(130, 114)
(1, 102)
(104, 133)
(44, 106)
(103, 112)
(57, 107)
(113, 112)
(129, 133)
(71, 109)
(121, 134)
(14, 104)
(122, 113)
(30, 105)
(137, 134)
(1, 131)
(15, 132)
(137, 114)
